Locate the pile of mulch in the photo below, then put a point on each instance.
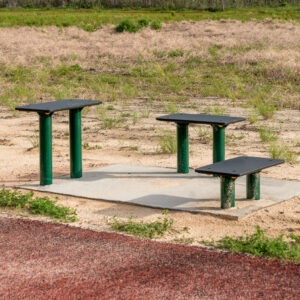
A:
(51, 261)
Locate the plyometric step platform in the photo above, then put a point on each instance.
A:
(166, 189)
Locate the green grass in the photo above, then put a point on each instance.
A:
(176, 53)
(14, 198)
(93, 19)
(265, 110)
(168, 143)
(204, 135)
(215, 110)
(267, 134)
(281, 151)
(259, 244)
(149, 230)
(262, 86)
(45, 206)
(156, 79)
(36, 205)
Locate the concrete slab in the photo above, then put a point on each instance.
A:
(163, 188)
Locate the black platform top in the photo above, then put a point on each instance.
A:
(53, 106)
(239, 166)
(200, 118)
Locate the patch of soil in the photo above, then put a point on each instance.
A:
(50, 261)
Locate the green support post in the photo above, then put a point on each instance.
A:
(227, 192)
(218, 143)
(45, 148)
(182, 148)
(75, 143)
(253, 186)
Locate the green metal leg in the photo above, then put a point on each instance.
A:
(227, 192)
(253, 186)
(45, 149)
(75, 143)
(219, 143)
(182, 148)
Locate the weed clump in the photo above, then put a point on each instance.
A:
(168, 143)
(155, 25)
(36, 205)
(14, 198)
(267, 134)
(279, 151)
(149, 230)
(259, 244)
(45, 206)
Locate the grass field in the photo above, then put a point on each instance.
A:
(92, 19)
(248, 56)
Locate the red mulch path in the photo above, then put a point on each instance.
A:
(51, 261)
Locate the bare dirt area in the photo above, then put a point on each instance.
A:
(77, 255)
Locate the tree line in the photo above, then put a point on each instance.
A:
(165, 4)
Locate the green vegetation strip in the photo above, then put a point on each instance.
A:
(258, 244)
(36, 205)
(93, 19)
(155, 80)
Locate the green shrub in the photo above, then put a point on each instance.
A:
(143, 23)
(127, 25)
(130, 26)
(155, 25)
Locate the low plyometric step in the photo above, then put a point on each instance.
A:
(166, 189)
